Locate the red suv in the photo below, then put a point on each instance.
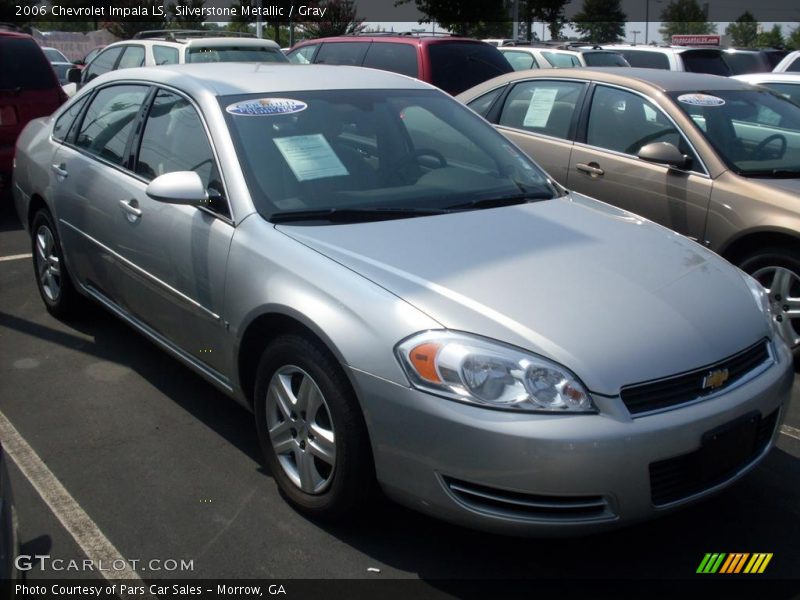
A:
(29, 89)
(452, 64)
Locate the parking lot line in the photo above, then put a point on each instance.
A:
(80, 526)
(792, 432)
(15, 257)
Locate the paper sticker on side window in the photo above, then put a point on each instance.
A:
(540, 108)
(701, 100)
(310, 157)
(263, 107)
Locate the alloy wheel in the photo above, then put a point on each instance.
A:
(48, 265)
(783, 291)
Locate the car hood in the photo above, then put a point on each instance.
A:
(615, 298)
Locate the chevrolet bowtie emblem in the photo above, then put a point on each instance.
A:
(715, 379)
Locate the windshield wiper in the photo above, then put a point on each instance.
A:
(501, 201)
(343, 215)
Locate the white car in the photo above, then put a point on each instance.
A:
(674, 58)
(790, 63)
(170, 47)
(548, 57)
(785, 84)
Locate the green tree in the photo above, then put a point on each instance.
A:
(684, 17)
(744, 31)
(793, 40)
(601, 21)
(340, 19)
(463, 17)
(186, 20)
(548, 11)
(771, 39)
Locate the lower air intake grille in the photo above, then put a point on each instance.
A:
(526, 506)
(720, 458)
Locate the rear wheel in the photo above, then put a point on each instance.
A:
(52, 279)
(778, 270)
(311, 429)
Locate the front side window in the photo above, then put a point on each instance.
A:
(368, 150)
(174, 139)
(542, 106)
(132, 57)
(520, 61)
(108, 122)
(391, 56)
(103, 63)
(604, 59)
(562, 60)
(646, 59)
(165, 55)
(342, 53)
(304, 55)
(625, 122)
(756, 132)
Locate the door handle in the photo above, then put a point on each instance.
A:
(60, 170)
(129, 207)
(592, 169)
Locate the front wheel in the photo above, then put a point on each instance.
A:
(311, 428)
(778, 270)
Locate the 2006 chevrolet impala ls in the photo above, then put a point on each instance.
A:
(403, 297)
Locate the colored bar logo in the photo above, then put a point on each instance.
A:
(736, 562)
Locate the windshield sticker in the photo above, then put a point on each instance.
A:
(701, 100)
(540, 108)
(265, 107)
(310, 157)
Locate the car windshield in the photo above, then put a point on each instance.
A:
(214, 54)
(756, 132)
(359, 150)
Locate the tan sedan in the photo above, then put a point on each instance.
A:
(715, 159)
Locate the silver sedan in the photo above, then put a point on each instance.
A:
(404, 299)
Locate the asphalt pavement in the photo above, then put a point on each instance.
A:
(167, 468)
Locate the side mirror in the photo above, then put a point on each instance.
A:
(664, 153)
(179, 187)
(74, 75)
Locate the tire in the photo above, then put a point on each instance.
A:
(53, 281)
(784, 291)
(319, 451)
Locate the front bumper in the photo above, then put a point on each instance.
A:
(548, 475)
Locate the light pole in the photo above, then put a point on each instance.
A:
(635, 33)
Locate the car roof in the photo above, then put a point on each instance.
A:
(14, 34)
(658, 79)
(200, 41)
(661, 49)
(396, 38)
(224, 79)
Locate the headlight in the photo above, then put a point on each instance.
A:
(471, 369)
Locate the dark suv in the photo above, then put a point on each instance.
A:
(29, 89)
(450, 63)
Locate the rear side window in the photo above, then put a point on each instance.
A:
(342, 53)
(108, 121)
(165, 55)
(705, 61)
(398, 58)
(545, 107)
(746, 62)
(64, 122)
(102, 63)
(24, 66)
(458, 66)
(132, 57)
(646, 60)
(794, 67)
(521, 61)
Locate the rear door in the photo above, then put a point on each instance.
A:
(540, 116)
(604, 163)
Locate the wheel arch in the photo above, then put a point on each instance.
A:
(749, 241)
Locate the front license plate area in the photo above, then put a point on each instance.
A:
(727, 448)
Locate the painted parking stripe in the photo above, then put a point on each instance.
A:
(88, 536)
(15, 257)
(792, 432)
